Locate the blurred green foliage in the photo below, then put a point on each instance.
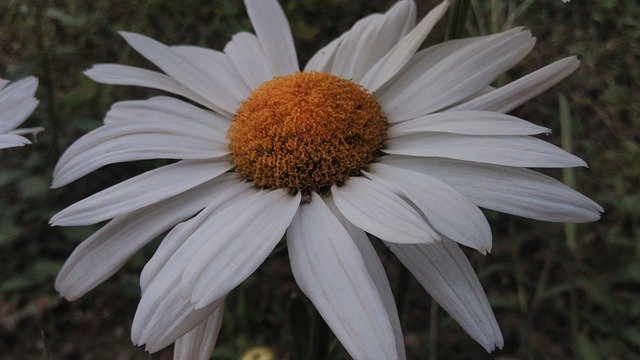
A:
(551, 300)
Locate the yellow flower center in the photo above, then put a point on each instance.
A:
(305, 131)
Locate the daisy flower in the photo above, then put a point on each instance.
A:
(373, 136)
(17, 102)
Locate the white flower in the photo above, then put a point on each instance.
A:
(17, 102)
(408, 156)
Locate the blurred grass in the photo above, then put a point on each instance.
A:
(535, 282)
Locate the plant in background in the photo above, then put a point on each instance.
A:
(373, 136)
(17, 103)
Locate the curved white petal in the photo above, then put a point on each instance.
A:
(172, 257)
(322, 60)
(187, 71)
(168, 110)
(371, 39)
(239, 246)
(14, 112)
(427, 58)
(380, 212)
(511, 190)
(444, 271)
(402, 52)
(104, 252)
(140, 191)
(377, 273)
(246, 55)
(181, 232)
(272, 28)
(198, 344)
(216, 66)
(331, 271)
(17, 102)
(115, 74)
(467, 123)
(448, 211)
(160, 321)
(523, 151)
(23, 88)
(152, 129)
(516, 93)
(126, 146)
(458, 76)
(12, 140)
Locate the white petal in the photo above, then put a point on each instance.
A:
(523, 151)
(323, 59)
(118, 144)
(246, 55)
(115, 74)
(12, 140)
(444, 271)
(272, 28)
(139, 191)
(216, 66)
(198, 344)
(448, 211)
(467, 122)
(511, 190)
(19, 89)
(377, 273)
(172, 258)
(371, 39)
(461, 74)
(402, 52)
(104, 252)
(186, 71)
(159, 128)
(331, 271)
(380, 212)
(243, 239)
(17, 102)
(516, 93)
(160, 321)
(167, 110)
(15, 112)
(427, 58)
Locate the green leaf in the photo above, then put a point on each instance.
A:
(585, 349)
(300, 320)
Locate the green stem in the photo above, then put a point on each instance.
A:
(402, 289)
(457, 19)
(570, 231)
(433, 330)
(47, 82)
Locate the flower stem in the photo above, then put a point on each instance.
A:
(569, 178)
(47, 81)
(433, 330)
(457, 19)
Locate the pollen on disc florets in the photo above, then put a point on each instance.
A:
(305, 131)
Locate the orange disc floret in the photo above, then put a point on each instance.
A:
(305, 131)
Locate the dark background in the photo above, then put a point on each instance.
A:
(558, 291)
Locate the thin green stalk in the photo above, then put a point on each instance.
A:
(568, 174)
(477, 12)
(570, 231)
(44, 60)
(402, 289)
(457, 19)
(433, 331)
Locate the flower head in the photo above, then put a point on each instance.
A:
(17, 102)
(373, 136)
